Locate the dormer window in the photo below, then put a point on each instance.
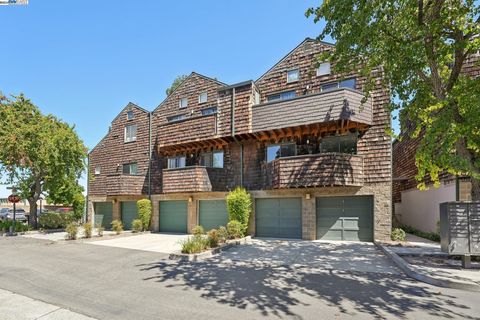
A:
(293, 75)
(130, 115)
(183, 102)
(323, 69)
(202, 97)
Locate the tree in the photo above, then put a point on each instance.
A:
(421, 47)
(40, 155)
(179, 79)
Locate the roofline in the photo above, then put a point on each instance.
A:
(129, 105)
(236, 85)
(291, 51)
(189, 76)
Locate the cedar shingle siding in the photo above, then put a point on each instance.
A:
(244, 125)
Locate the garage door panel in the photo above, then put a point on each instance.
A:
(129, 213)
(278, 217)
(173, 216)
(345, 218)
(103, 214)
(212, 214)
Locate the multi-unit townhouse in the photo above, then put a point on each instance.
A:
(306, 143)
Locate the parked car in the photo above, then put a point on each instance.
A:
(20, 215)
(62, 210)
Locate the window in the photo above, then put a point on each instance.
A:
(323, 69)
(211, 110)
(293, 75)
(177, 117)
(202, 97)
(176, 162)
(130, 115)
(349, 83)
(130, 168)
(276, 151)
(131, 133)
(282, 96)
(342, 144)
(212, 159)
(183, 102)
(97, 170)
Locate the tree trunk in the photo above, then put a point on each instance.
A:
(475, 189)
(33, 212)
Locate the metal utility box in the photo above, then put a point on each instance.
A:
(460, 228)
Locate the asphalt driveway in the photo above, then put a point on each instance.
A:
(107, 282)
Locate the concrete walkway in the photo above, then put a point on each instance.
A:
(153, 242)
(17, 307)
(417, 256)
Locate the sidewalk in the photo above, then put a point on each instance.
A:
(423, 260)
(18, 307)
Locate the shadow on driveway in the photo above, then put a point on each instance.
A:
(310, 273)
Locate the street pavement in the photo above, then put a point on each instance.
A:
(262, 280)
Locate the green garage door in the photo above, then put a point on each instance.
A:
(345, 218)
(213, 213)
(103, 214)
(278, 218)
(129, 213)
(173, 216)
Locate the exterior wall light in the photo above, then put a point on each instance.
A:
(307, 196)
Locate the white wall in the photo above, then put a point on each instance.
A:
(420, 208)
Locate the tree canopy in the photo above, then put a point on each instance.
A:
(175, 83)
(39, 154)
(422, 48)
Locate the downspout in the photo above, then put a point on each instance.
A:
(150, 156)
(232, 130)
(88, 184)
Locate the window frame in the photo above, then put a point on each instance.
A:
(130, 165)
(297, 70)
(176, 159)
(126, 138)
(205, 112)
(97, 170)
(329, 69)
(200, 96)
(212, 157)
(281, 96)
(180, 103)
(175, 118)
(280, 145)
(130, 118)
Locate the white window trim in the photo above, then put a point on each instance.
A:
(206, 97)
(133, 115)
(298, 75)
(324, 74)
(132, 139)
(98, 170)
(180, 103)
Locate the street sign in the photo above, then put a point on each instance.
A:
(14, 198)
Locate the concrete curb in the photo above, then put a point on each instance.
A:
(419, 275)
(210, 253)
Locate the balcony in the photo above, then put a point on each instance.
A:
(193, 179)
(187, 130)
(339, 104)
(118, 184)
(318, 170)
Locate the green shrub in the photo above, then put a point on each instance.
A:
(239, 206)
(422, 234)
(100, 230)
(53, 220)
(72, 231)
(213, 238)
(144, 207)
(195, 244)
(235, 229)
(198, 231)
(78, 205)
(222, 234)
(87, 228)
(137, 225)
(398, 235)
(117, 226)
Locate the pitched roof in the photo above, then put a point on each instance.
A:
(292, 51)
(184, 80)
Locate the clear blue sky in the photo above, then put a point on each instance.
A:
(85, 60)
